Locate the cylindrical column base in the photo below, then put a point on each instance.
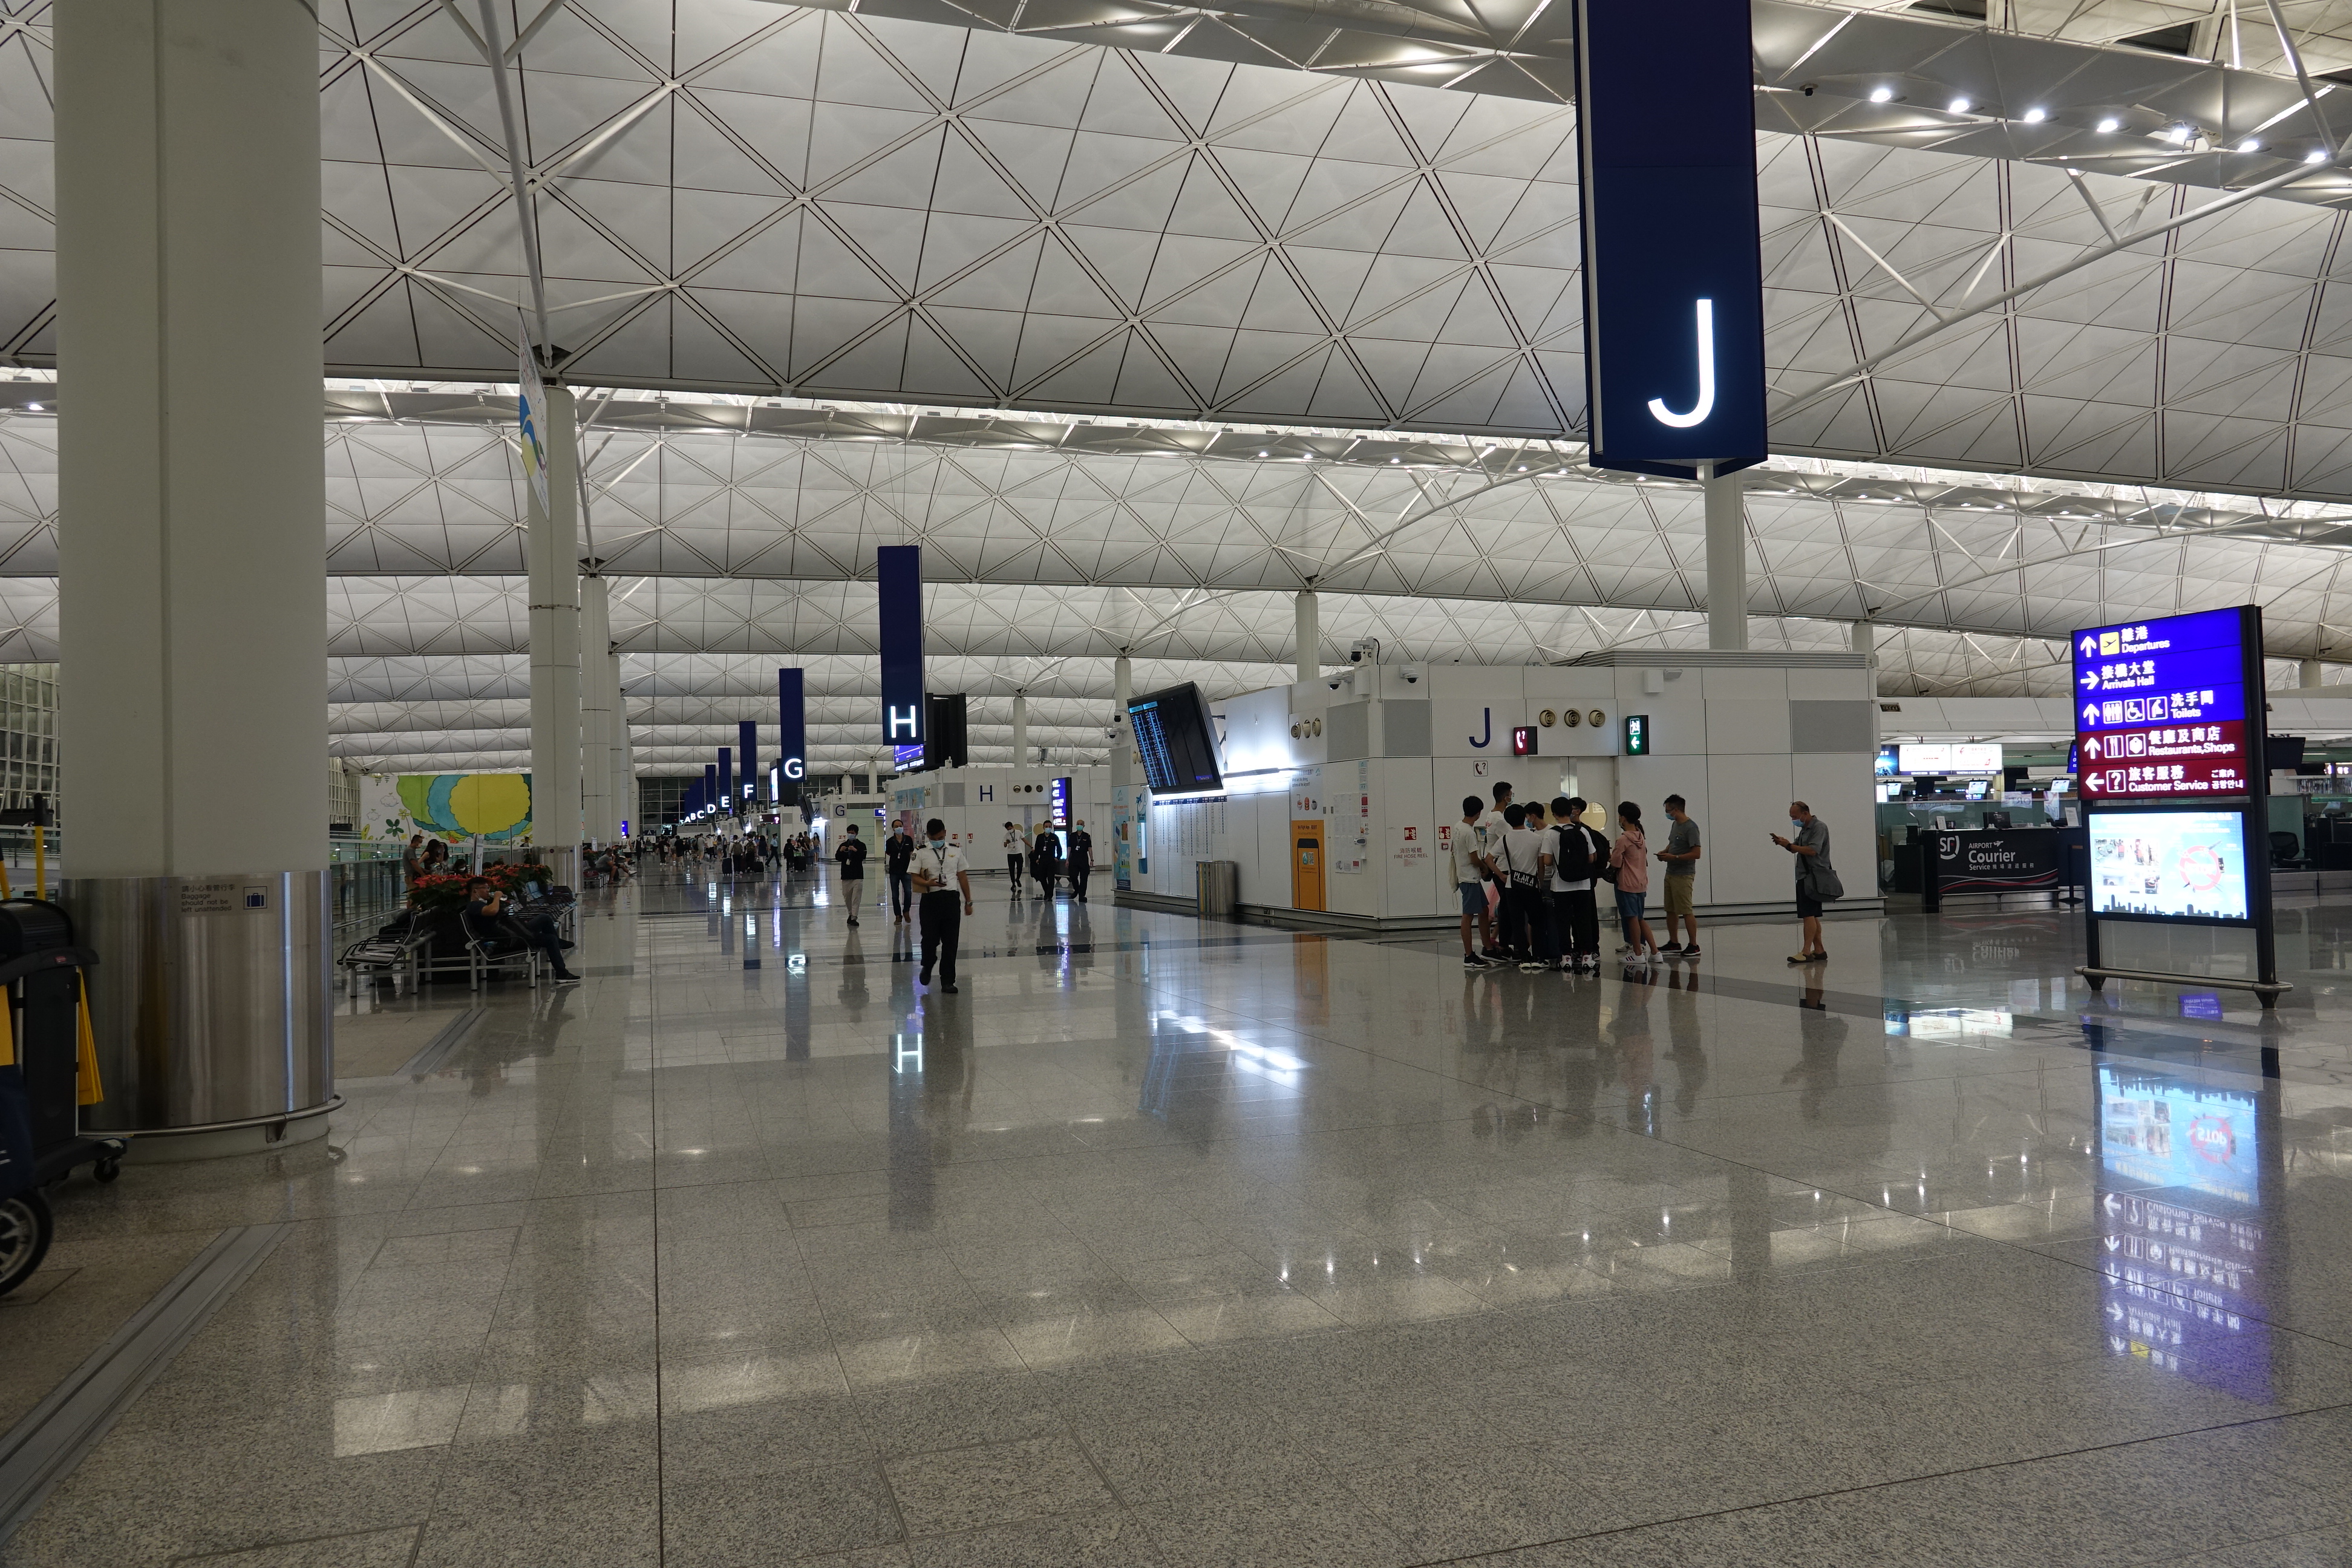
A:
(213, 1004)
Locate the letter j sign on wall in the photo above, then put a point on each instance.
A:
(1674, 288)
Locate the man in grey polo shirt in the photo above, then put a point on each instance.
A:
(1681, 856)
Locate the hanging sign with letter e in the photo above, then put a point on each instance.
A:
(1673, 283)
(898, 574)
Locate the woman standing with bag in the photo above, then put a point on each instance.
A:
(1629, 856)
(1817, 879)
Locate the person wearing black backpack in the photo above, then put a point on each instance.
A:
(1523, 859)
(1578, 856)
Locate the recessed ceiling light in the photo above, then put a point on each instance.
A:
(2036, 116)
(2177, 134)
(34, 406)
(2317, 155)
(1958, 106)
(2111, 124)
(1882, 95)
(2250, 145)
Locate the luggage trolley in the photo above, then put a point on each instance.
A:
(40, 984)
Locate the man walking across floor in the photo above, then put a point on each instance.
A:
(946, 884)
(851, 857)
(1015, 853)
(897, 859)
(1681, 856)
(1082, 858)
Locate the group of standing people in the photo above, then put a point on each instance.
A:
(1044, 861)
(1530, 876)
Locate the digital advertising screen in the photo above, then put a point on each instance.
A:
(1888, 763)
(1178, 741)
(2169, 866)
(1976, 757)
(1917, 757)
(2161, 707)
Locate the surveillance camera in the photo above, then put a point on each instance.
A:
(1412, 673)
(1335, 682)
(1364, 650)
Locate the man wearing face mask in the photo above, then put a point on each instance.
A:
(946, 885)
(1810, 846)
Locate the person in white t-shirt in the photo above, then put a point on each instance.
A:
(1016, 853)
(1575, 848)
(1491, 828)
(1522, 863)
(944, 881)
(1465, 846)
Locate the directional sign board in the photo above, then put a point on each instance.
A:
(2170, 709)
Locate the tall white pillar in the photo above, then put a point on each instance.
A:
(1726, 560)
(1020, 728)
(1122, 743)
(191, 554)
(622, 753)
(1307, 635)
(554, 548)
(2310, 672)
(595, 713)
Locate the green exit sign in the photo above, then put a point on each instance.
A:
(1637, 734)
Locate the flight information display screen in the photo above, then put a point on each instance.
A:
(1179, 743)
(2161, 707)
(2187, 865)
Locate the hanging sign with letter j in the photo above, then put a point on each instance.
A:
(1673, 283)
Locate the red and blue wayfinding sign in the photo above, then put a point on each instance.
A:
(2170, 708)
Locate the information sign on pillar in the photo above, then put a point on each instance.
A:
(747, 735)
(899, 576)
(709, 784)
(726, 779)
(791, 719)
(1673, 287)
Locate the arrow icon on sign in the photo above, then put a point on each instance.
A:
(2091, 747)
(2112, 1206)
(2090, 713)
(2091, 784)
(2090, 646)
(2090, 680)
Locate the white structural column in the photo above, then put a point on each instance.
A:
(601, 824)
(1866, 640)
(1122, 743)
(622, 753)
(554, 548)
(1726, 560)
(1307, 635)
(1020, 728)
(2310, 672)
(192, 654)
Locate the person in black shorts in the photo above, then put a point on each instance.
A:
(851, 857)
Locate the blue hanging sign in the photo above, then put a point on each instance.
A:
(899, 577)
(791, 719)
(1674, 281)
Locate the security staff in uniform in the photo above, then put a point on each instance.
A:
(945, 883)
(1082, 858)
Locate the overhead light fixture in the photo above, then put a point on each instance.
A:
(1882, 95)
(2036, 116)
(1958, 106)
(2110, 124)
(36, 407)
(2177, 134)
(2317, 155)
(2250, 145)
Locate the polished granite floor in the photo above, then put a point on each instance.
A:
(1165, 1243)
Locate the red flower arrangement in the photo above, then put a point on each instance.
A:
(447, 890)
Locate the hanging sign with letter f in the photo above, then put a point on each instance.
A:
(1673, 285)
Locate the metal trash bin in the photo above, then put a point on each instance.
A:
(1218, 889)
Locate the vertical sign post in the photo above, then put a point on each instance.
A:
(792, 719)
(711, 795)
(726, 780)
(1674, 279)
(747, 734)
(2171, 735)
(899, 579)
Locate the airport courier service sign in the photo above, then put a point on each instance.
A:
(2160, 707)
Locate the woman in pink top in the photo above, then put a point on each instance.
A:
(1631, 857)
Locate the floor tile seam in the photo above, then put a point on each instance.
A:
(2274, 1324)
(1504, 1551)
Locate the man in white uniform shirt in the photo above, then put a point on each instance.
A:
(945, 883)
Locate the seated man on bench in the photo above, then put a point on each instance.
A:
(487, 912)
